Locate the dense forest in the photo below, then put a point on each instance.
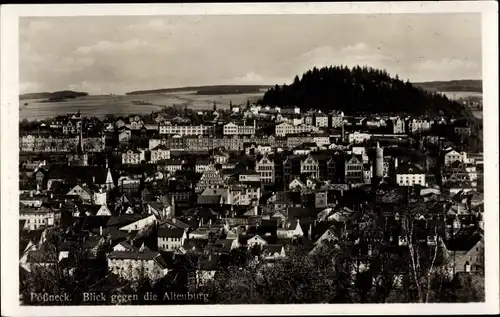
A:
(53, 96)
(360, 89)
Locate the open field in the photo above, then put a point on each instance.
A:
(100, 106)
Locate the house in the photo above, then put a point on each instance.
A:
(398, 126)
(284, 129)
(35, 218)
(416, 125)
(224, 246)
(30, 200)
(82, 192)
(171, 239)
(293, 230)
(129, 264)
(124, 136)
(265, 167)
(337, 118)
(234, 129)
(358, 137)
(202, 164)
(451, 157)
(354, 169)
(297, 184)
(272, 252)
(170, 165)
(125, 246)
(210, 178)
(256, 241)
(132, 156)
(309, 166)
(410, 175)
(321, 120)
(160, 152)
(206, 268)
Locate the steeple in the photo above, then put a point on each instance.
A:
(80, 139)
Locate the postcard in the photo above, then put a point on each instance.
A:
(243, 159)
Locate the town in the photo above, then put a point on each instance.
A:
(230, 202)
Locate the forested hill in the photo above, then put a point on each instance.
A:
(360, 89)
(53, 95)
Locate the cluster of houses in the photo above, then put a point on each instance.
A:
(155, 193)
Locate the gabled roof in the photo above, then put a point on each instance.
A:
(160, 147)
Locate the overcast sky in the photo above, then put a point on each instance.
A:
(119, 54)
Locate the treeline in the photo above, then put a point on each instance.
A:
(58, 95)
(453, 85)
(360, 89)
(206, 90)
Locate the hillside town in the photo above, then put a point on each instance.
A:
(182, 199)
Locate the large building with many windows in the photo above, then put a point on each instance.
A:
(186, 129)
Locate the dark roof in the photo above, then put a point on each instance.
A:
(170, 232)
(410, 169)
(123, 220)
(146, 255)
(74, 174)
(209, 199)
(197, 244)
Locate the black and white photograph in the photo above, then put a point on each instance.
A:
(253, 159)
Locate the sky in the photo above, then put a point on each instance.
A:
(103, 55)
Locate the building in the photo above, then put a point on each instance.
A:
(160, 152)
(132, 156)
(283, 129)
(378, 168)
(337, 118)
(309, 166)
(171, 239)
(398, 126)
(416, 125)
(358, 137)
(129, 264)
(354, 170)
(451, 157)
(410, 175)
(321, 120)
(234, 129)
(183, 130)
(35, 218)
(265, 167)
(210, 178)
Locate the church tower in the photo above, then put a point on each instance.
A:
(80, 158)
(378, 169)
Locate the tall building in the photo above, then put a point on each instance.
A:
(80, 158)
(378, 170)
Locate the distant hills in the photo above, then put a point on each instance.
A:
(207, 90)
(53, 96)
(362, 89)
(472, 85)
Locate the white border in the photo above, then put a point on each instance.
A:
(9, 148)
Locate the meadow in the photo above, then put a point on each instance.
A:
(100, 106)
